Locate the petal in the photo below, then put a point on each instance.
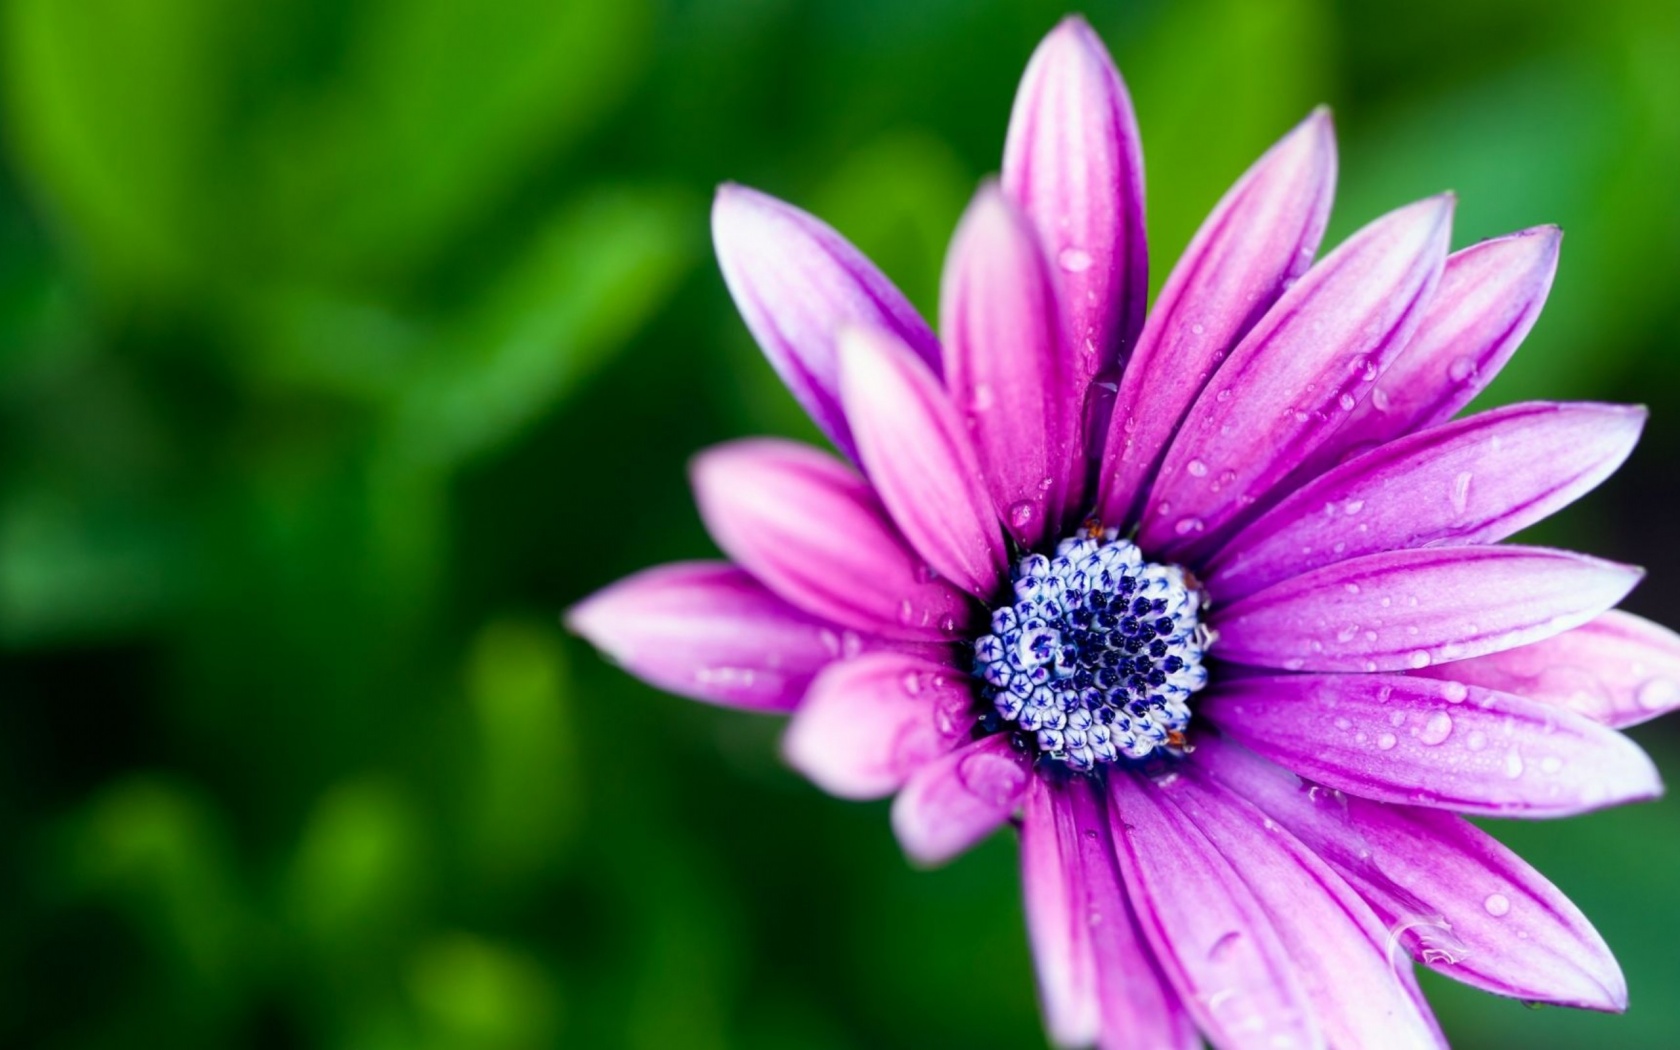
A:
(1336, 943)
(1489, 297)
(867, 724)
(797, 283)
(709, 631)
(1618, 670)
(1008, 368)
(1096, 976)
(1408, 609)
(1212, 938)
(1290, 381)
(926, 471)
(1397, 738)
(1460, 902)
(814, 532)
(958, 799)
(1073, 161)
(1471, 482)
(1260, 237)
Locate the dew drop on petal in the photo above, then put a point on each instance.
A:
(1476, 740)
(1386, 742)
(1513, 764)
(1419, 659)
(1074, 260)
(1021, 514)
(1454, 692)
(1196, 468)
(1437, 729)
(1497, 905)
(1461, 369)
(1657, 694)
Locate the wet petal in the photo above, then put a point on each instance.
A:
(1489, 297)
(1008, 367)
(1474, 481)
(919, 456)
(1409, 609)
(1074, 163)
(1213, 939)
(1290, 382)
(711, 632)
(1096, 976)
(1460, 902)
(867, 724)
(1403, 739)
(1618, 670)
(814, 532)
(797, 283)
(1260, 237)
(958, 799)
(1337, 944)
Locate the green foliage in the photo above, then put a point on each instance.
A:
(342, 345)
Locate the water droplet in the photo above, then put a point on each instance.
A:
(1386, 742)
(1186, 526)
(1021, 514)
(1351, 588)
(1454, 692)
(1347, 402)
(1497, 905)
(1353, 506)
(1419, 659)
(981, 398)
(1196, 468)
(1224, 945)
(1657, 694)
(1476, 740)
(1461, 492)
(830, 641)
(1379, 399)
(1437, 729)
(1513, 764)
(1462, 368)
(912, 683)
(906, 613)
(1073, 260)
(1197, 329)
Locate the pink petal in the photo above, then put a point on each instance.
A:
(1618, 670)
(916, 450)
(1009, 369)
(958, 799)
(1474, 481)
(1338, 946)
(797, 283)
(867, 724)
(1398, 738)
(1073, 162)
(814, 532)
(1489, 297)
(1460, 902)
(1409, 609)
(711, 632)
(1292, 379)
(1097, 978)
(1211, 936)
(1260, 237)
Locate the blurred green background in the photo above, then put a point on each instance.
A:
(344, 344)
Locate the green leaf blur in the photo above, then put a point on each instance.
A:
(344, 344)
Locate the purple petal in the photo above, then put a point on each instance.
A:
(797, 283)
(867, 724)
(1398, 738)
(1073, 162)
(711, 632)
(1292, 379)
(1096, 977)
(1338, 946)
(814, 532)
(1460, 902)
(958, 799)
(1409, 609)
(1008, 368)
(1260, 238)
(1212, 938)
(926, 471)
(1618, 670)
(1471, 482)
(1489, 297)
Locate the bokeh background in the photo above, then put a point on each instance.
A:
(343, 344)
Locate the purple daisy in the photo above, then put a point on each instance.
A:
(1209, 602)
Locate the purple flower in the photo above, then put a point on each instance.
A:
(1212, 599)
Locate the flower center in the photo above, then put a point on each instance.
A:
(1096, 658)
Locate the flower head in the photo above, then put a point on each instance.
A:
(1212, 599)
